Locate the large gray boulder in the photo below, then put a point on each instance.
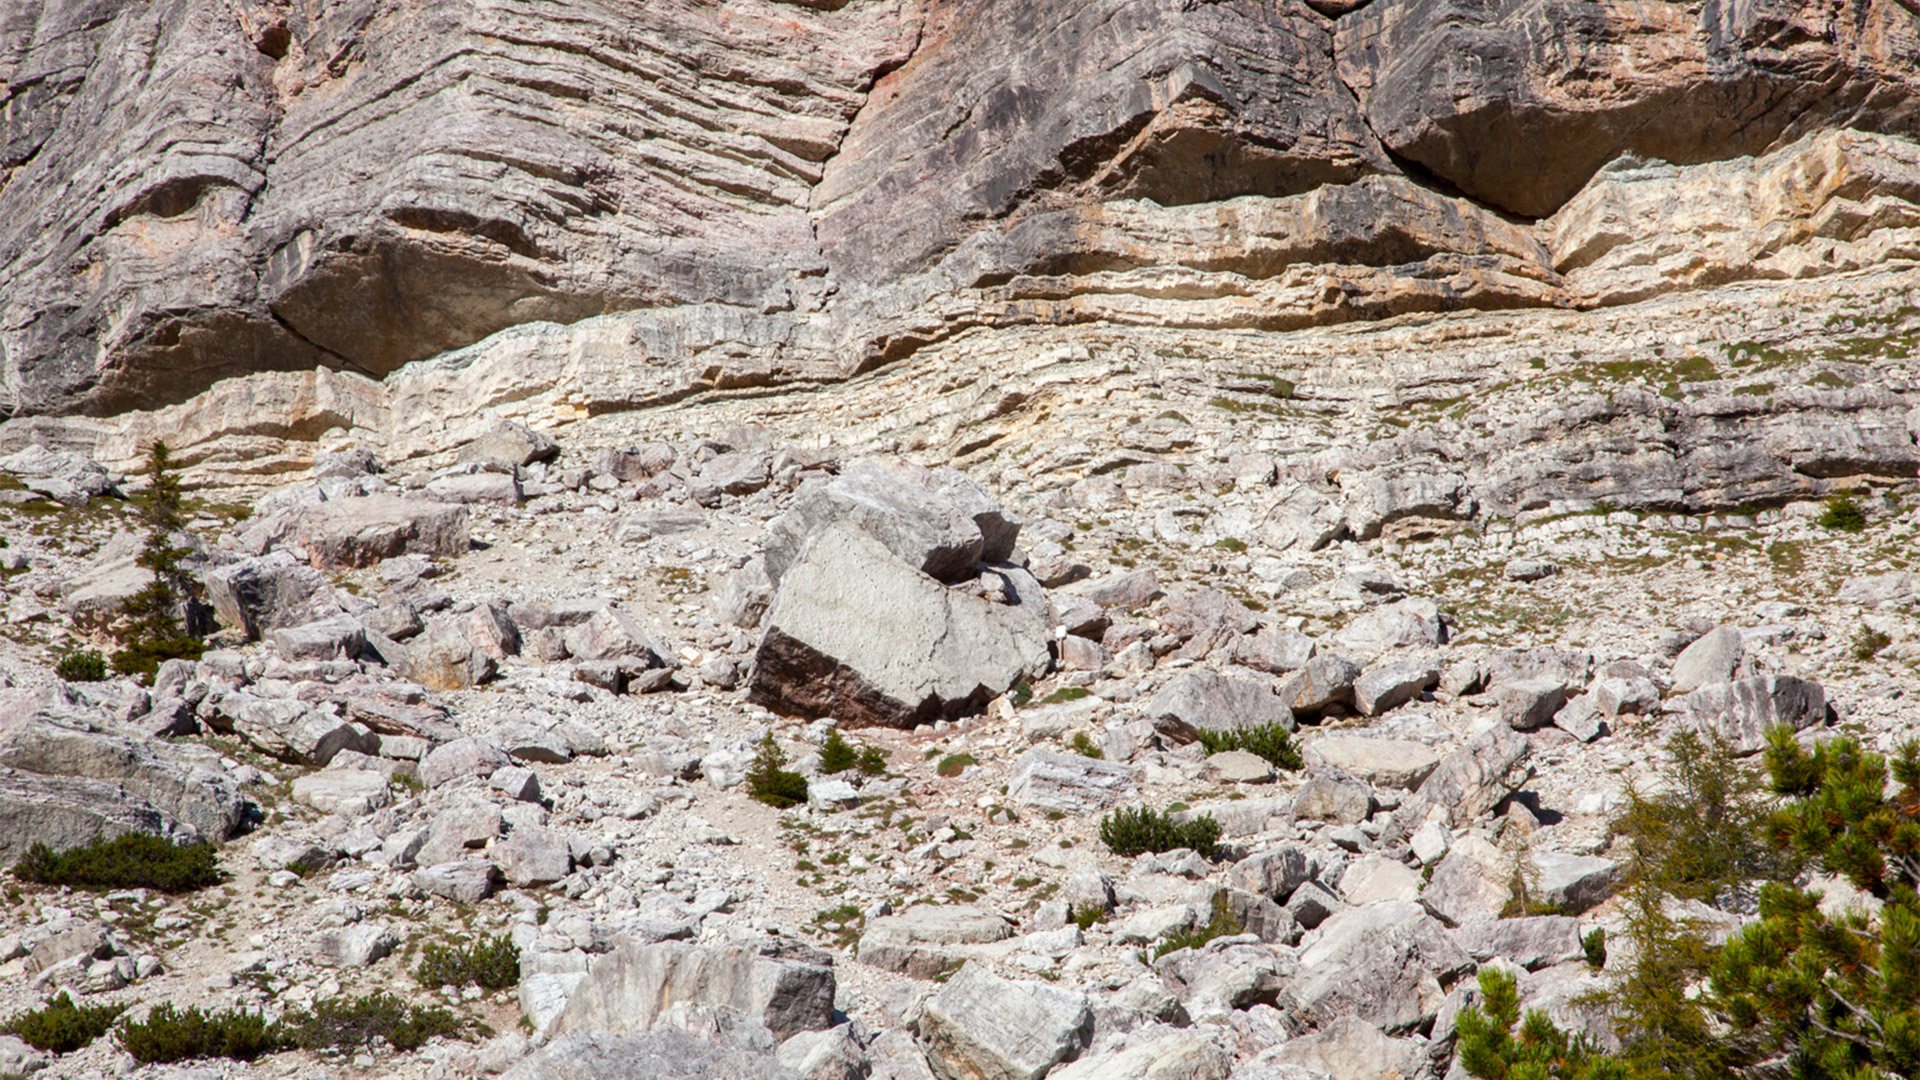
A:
(1388, 964)
(266, 593)
(337, 637)
(67, 812)
(1741, 712)
(661, 1054)
(1714, 658)
(443, 657)
(783, 986)
(1274, 873)
(1388, 685)
(1173, 1056)
(1394, 763)
(982, 1027)
(1352, 1049)
(1326, 681)
(1467, 783)
(927, 940)
(1070, 783)
(860, 635)
(512, 444)
(1574, 883)
(1472, 884)
(1532, 942)
(69, 785)
(345, 534)
(1202, 700)
(940, 522)
(1526, 704)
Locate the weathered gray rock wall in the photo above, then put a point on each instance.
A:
(793, 192)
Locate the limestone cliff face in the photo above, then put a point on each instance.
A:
(759, 192)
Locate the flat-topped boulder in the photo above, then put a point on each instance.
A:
(346, 534)
(927, 940)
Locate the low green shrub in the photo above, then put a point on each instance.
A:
(60, 1026)
(168, 1035)
(769, 781)
(1842, 514)
(1497, 1044)
(1868, 643)
(1083, 745)
(133, 861)
(1594, 945)
(1269, 741)
(86, 665)
(1066, 694)
(1140, 831)
(1086, 917)
(837, 754)
(350, 1023)
(491, 963)
(954, 764)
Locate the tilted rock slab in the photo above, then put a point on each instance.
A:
(110, 785)
(783, 986)
(1071, 783)
(983, 1027)
(663, 1054)
(346, 534)
(1467, 783)
(1385, 963)
(861, 636)
(926, 940)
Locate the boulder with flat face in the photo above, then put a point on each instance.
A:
(1387, 963)
(345, 534)
(858, 634)
(781, 985)
(1742, 711)
(1201, 700)
(275, 590)
(980, 1025)
(68, 784)
(1070, 783)
(926, 940)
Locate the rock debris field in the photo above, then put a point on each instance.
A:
(520, 694)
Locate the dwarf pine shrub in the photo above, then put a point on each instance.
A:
(168, 1034)
(1843, 514)
(1269, 741)
(133, 861)
(85, 665)
(353, 1023)
(60, 1026)
(491, 963)
(769, 781)
(1142, 831)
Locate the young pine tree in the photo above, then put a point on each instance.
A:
(1835, 996)
(153, 629)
